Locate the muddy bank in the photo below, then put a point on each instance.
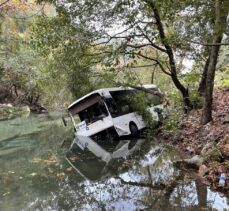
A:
(11, 111)
(210, 142)
(15, 100)
(7, 111)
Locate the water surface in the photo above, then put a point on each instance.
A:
(35, 174)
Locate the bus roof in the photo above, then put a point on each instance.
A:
(104, 92)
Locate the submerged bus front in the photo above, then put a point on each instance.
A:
(110, 108)
(92, 113)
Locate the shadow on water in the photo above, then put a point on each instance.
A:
(127, 175)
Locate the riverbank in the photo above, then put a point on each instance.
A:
(16, 102)
(210, 142)
(7, 111)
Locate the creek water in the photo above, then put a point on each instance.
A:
(35, 174)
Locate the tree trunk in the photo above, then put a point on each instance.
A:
(185, 93)
(201, 191)
(220, 25)
(153, 75)
(202, 84)
(208, 94)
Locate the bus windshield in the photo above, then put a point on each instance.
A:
(93, 113)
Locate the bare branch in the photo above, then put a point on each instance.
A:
(3, 3)
(153, 44)
(115, 37)
(152, 59)
(207, 44)
(146, 22)
(118, 35)
(147, 65)
(158, 62)
(138, 46)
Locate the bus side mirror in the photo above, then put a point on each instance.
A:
(64, 121)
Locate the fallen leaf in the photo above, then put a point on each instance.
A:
(61, 176)
(7, 193)
(69, 169)
(73, 158)
(36, 160)
(50, 170)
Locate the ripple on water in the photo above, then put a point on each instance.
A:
(36, 176)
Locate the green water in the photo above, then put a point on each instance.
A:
(35, 174)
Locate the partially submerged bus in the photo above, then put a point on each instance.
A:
(111, 110)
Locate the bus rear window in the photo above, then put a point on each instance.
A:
(154, 99)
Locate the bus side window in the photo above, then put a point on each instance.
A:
(102, 108)
(111, 105)
(154, 99)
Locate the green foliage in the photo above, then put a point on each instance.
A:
(140, 103)
(68, 64)
(192, 79)
(175, 115)
(196, 99)
(71, 36)
(66, 60)
(222, 77)
(17, 61)
(53, 74)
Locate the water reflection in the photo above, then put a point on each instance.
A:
(140, 175)
(96, 162)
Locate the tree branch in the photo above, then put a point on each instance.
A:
(160, 27)
(207, 44)
(153, 44)
(147, 65)
(3, 3)
(138, 46)
(115, 37)
(152, 59)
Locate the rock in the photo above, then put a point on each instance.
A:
(226, 120)
(225, 150)
(222, 169)
(39, 109)
(190, 149)
(7, 111)
(211, 152)
(203, 132)
(25, 111)
(61, 176)
(214, 138)
(203, 170)
(195, 162)
(25, 108)
(206, 148)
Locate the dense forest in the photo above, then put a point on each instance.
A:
(53, 52)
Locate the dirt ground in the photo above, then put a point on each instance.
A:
(210, 141)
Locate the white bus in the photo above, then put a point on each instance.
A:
(110, 110)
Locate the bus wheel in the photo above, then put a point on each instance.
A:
(133, 130)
